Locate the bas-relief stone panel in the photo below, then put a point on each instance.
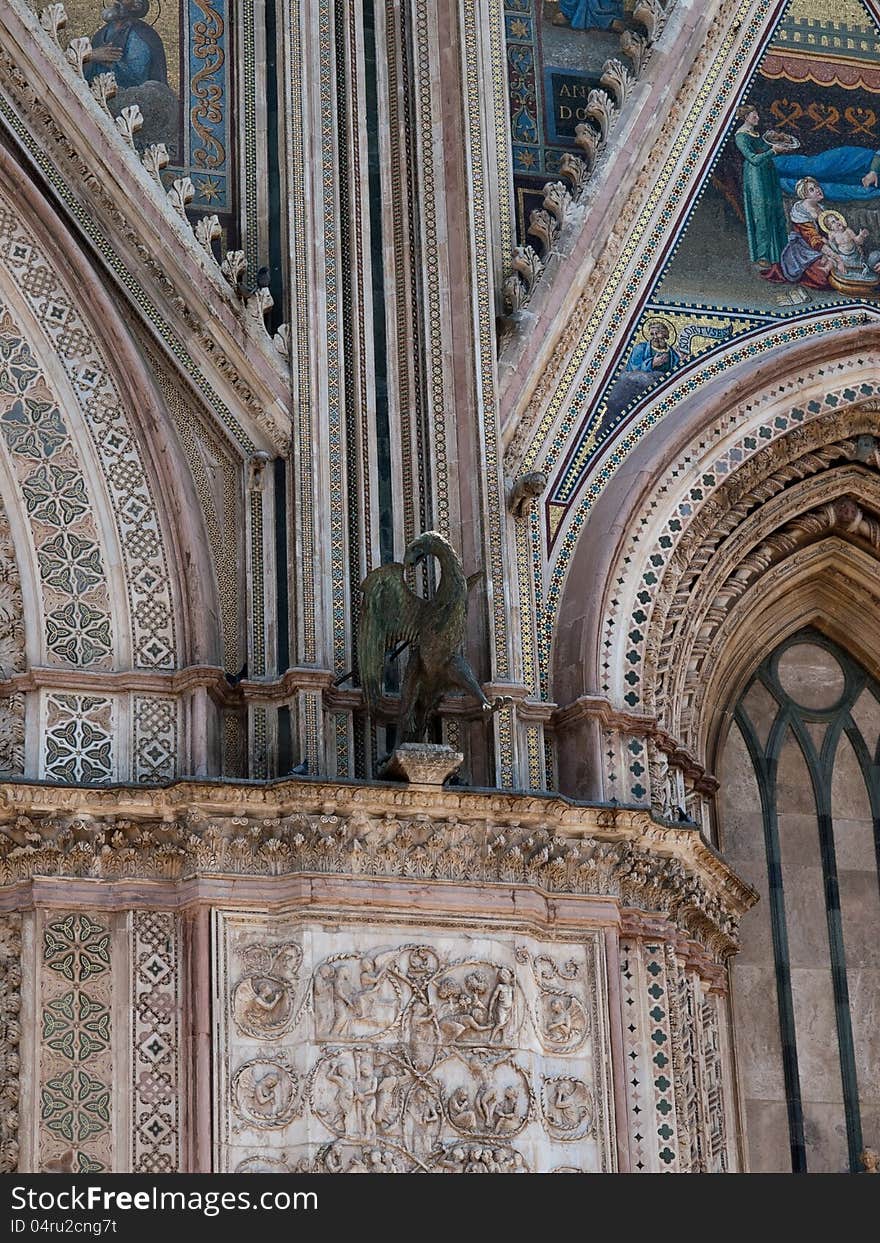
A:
(358, 1048)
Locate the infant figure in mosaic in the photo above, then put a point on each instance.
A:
(847, 247)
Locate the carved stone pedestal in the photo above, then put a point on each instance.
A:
(422, 763)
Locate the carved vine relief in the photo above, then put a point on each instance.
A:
(453, 1056)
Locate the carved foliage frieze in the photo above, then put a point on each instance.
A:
(705, 902)
(357, 1049)
(10, 1033)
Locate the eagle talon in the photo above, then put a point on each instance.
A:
(499, 702)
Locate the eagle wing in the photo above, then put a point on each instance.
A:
(390, 614)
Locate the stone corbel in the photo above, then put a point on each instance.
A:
(635, 48)
(154, 159)
(181, 194)
(257, 470)
(575, 171)
(53, 19)
(281, 340)
(233, 267)
(651, 15)
(526, 270)
(208, 231)
(78, 52)
(601, 109)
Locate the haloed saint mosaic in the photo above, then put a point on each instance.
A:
(786, 222)
(172, 58)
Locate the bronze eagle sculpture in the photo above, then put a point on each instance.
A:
(393, 616)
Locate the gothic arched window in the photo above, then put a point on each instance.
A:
(800, 808)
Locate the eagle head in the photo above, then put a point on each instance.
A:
(428, 544)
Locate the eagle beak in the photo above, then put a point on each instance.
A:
(413, 556)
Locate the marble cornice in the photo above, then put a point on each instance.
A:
(196, 828)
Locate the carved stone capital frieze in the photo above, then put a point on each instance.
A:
(192, 830)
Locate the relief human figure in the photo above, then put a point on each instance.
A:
(336, 997)
(559, 1026)
(421, 1121)
(265, 1093)
(365, 1088)
(486, 1101)
(461, 1112)
(386, 1109)
(371, 976)
(563, 1112)
(469, 1012)
(345, 1098)
(507, 1116)
(501, 1003)
(263, 1004)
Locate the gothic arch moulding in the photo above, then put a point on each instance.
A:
(733, 525)
(115, 575)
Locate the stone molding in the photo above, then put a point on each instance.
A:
(86, 152)
(193, 829)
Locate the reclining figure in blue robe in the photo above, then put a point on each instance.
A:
(841, 172)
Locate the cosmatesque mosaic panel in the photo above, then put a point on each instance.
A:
(369, 1049)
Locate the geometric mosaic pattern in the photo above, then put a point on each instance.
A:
(676, 1110)
(648, 1055)
(58, 506)
(12, 654)
(76, 1059)
(36, 432)
(78, 738)
(155, 1130)
(154, 738)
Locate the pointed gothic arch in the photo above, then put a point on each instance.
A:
(666, 555)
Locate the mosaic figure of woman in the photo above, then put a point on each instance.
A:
(762, 192)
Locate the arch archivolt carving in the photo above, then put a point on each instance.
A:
(55, 510)
(88, 528)
(67, 364)
(761, 527)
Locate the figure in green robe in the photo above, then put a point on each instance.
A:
(762, 192)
